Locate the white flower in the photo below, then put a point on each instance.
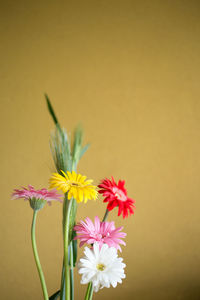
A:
(102, 267)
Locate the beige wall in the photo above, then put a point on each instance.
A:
(129, 71)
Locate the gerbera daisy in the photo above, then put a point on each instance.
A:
(116, 195)
(75, 184)
(37, 198)
(101, 266)
(101, 232)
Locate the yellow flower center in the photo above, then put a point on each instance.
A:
(101, 267)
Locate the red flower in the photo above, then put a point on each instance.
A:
(116, 195)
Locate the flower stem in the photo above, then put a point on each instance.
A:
(62, 289)
(37, 260)
(66, 252)
(106, 215)
(89, 292)
(72, 271)
(65, 208)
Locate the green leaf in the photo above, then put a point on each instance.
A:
(55, 295)
(77, 149)
(50, 108)
(74, 247)
(72, 218)
(74, 244)
(62, 291)
(60, 149)
(78, 136)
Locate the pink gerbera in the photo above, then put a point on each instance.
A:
(116, 195)
(30, 193)
(101, 232)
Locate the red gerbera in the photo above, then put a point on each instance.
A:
(116, 195)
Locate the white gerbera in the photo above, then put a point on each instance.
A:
(101, 266)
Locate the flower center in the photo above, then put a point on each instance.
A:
(101, 267)
(98, 236)
(75, 184)
(119, 194)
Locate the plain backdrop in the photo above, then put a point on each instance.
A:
(129, 72)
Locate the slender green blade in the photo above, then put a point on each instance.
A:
(74, 248)
(78, 150)
(50, 108)
(60, 149)
(74, 244)
(78, 136)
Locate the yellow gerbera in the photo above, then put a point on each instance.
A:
(75, 184)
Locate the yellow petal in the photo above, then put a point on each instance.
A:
(78, 177)
(74, 192)
(69, 176)
(83, 179)
(74, 176)
(70, 195)
(88, 182)
(85, 199)
(80, 194)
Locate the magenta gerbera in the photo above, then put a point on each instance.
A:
(116, 195)
(36, 196)
(101, 232)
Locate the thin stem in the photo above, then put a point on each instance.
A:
(87, 295)
(62, 289)
(91, 292)
(71, 251)
(106, 215)
(37, 260)
(66, 252)
(65, 212)
(65, 207)
(72, 271)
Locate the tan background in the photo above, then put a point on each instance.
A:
(129, 71)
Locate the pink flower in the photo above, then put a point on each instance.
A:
(101, 232)
(43, 194)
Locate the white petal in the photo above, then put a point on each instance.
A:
(89, 254)
(96, 250)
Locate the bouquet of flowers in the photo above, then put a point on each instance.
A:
(101, 266)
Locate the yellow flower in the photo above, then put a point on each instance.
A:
(75, 184)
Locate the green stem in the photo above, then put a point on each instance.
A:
(62, 289)
(72, 271)
(66, 252)
(89, 290)
(37, 260)
(65, 207)
(106, 215)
